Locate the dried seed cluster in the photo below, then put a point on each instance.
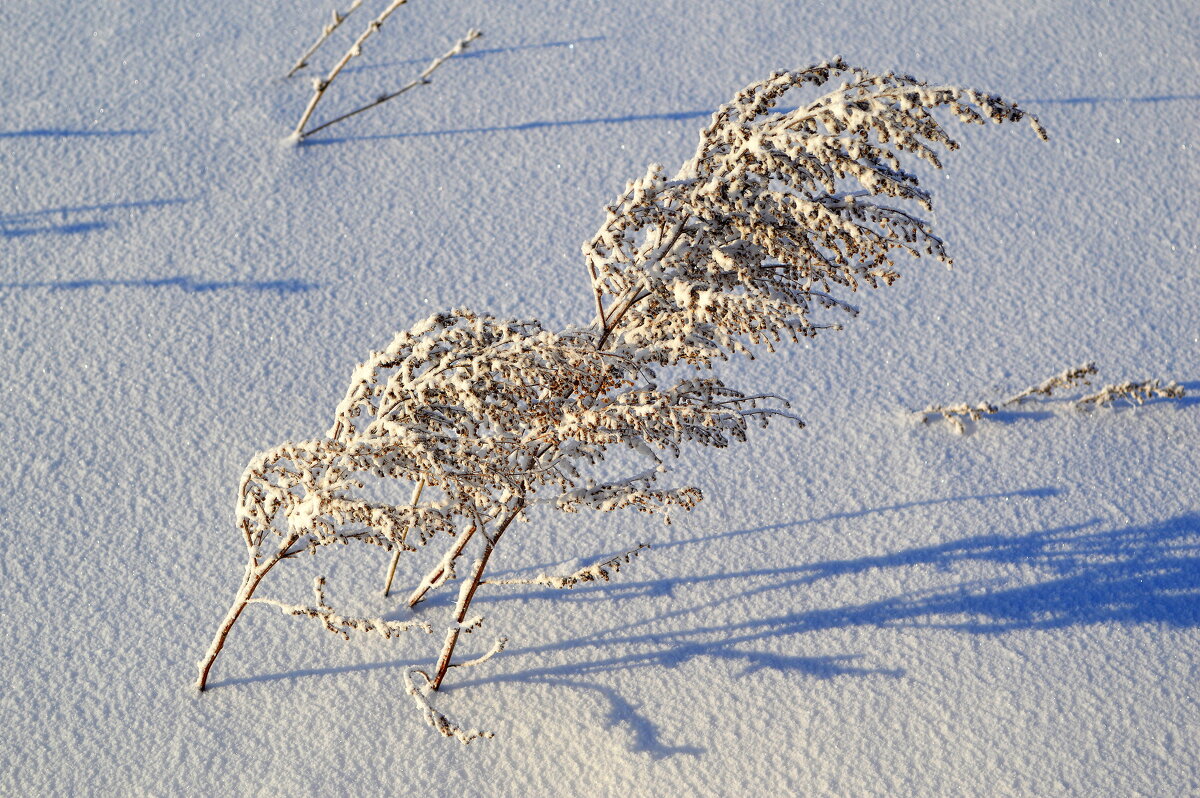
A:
(756, 239)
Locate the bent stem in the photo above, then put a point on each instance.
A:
(250, 580)
(465, 594)
(437, 576)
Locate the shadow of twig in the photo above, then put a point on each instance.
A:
(63, 133)
(28, 223)
(183, 282)
(1097, 100)
(607, 120)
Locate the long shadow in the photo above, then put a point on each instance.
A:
(1098, 99)
(1030, 493)
(1146, 574)
(537, 125)
(1132, 575)
(64, 133)
(482, 52)
(58, 220)
(679, 116)
(183, 282)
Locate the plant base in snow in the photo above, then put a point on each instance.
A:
(321, 85)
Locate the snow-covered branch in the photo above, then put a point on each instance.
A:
(755, 240)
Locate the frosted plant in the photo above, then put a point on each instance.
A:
(1067, 379)
(756, 239)
(321, 85)
(1133, 392)
(956, 413)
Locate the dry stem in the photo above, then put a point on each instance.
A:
(420, 80)
(437, 575)
(326, 32)
(320, 86)
(416, 497)
(250, 580)
(465, 594)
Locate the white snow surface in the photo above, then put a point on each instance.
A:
(868, 606)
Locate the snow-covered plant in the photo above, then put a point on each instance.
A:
(754, 240)
(321, 85)
(1135, 393)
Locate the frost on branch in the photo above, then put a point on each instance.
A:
(339, 624)
(774, 213)
(1135, 393)
(596, 572)
(757, 239)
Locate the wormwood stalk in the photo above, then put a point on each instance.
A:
(756, 239)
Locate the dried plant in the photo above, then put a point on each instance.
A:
(326, 32)
(1067, 379)
(749, 243)
(955, 414)
(1133, 392)
(321, 85)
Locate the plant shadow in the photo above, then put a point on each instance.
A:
(1072, 575)
(1099, 99)
(65, 133)
(184, 282)
(677, 116)
(76, 219)
(1147, 574)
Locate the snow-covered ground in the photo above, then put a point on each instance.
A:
(869, 606)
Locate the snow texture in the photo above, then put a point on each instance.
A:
(867, 606)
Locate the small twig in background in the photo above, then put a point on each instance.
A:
(596, 572)
(1068, 379)
(1136, 393)
(955, 414)
(420, 80)
(326, 32)
(321, 85)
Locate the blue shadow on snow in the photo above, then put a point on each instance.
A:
(679, 116)
(60, 221)
(183, 282)
(63, 133)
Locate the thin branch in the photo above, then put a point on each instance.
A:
(420, 80)
(320, 86)
(596, 572)
(436, 719)
(618, 310)
(445, 567)
(326, 32)
(466, 593)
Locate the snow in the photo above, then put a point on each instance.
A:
(867, 606)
